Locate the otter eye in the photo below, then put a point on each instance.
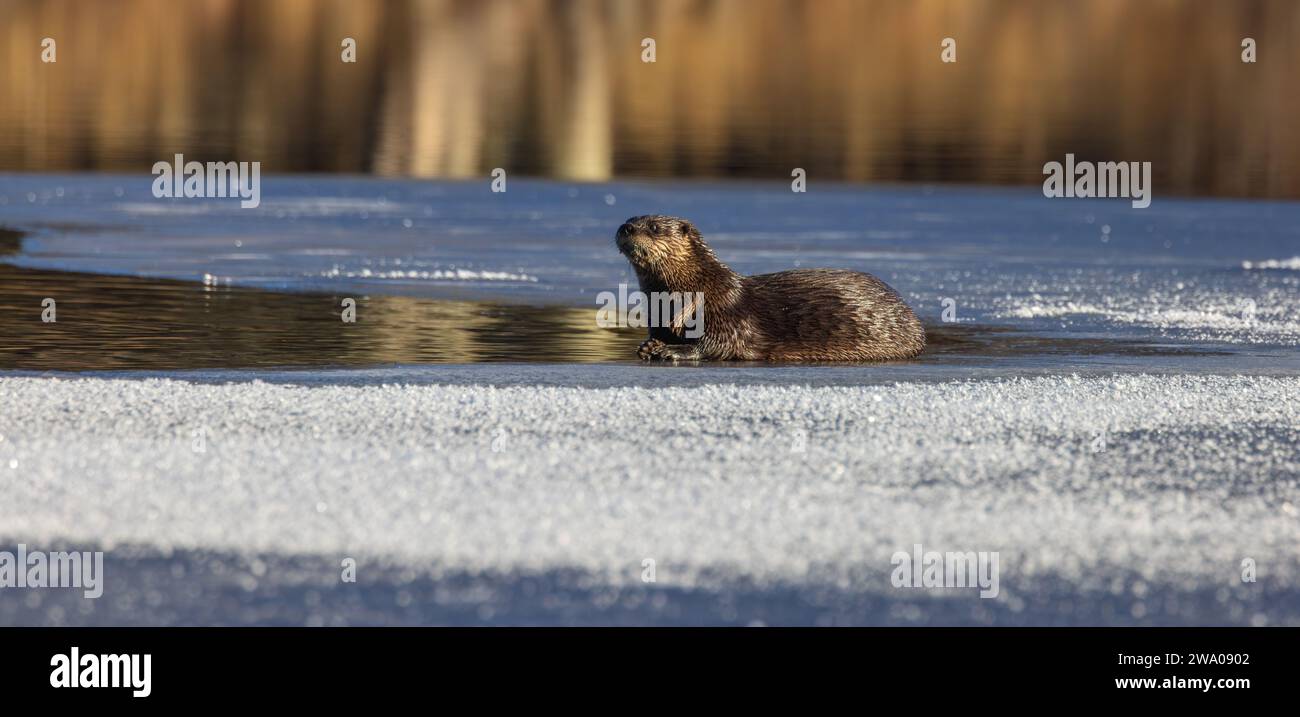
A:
(654, 227)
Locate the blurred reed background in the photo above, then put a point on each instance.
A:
(847, 89)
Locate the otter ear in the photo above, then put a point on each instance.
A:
(689, 229)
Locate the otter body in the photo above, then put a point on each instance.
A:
(798, 315)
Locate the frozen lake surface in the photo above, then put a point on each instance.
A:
(1121, 425)
(1196, 270)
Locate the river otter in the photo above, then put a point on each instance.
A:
(799, 315)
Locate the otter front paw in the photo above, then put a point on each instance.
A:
(656, 350)
(651, 349)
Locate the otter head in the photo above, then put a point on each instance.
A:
(668, 252)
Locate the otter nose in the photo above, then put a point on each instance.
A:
(625, 230)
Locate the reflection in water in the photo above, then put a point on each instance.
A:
(112, 322)
(846, 89)
(126, 323)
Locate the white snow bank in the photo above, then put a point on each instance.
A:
(427, 275)
(1118, 499)
(1293, 264)
(1201, 316)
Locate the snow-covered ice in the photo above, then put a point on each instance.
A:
(1110, 499)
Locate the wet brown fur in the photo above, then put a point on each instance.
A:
(799, 315)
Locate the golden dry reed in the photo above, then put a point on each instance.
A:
(846, 89)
